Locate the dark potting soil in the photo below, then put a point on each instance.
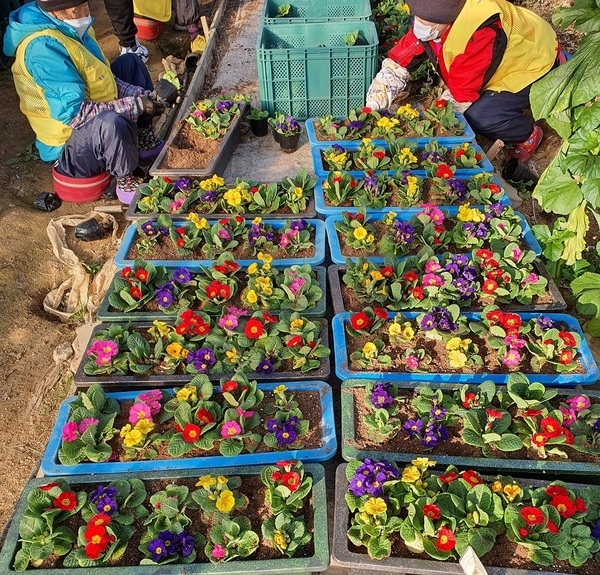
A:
(165, 250)
(366, 438)
(308, 402)
(437, 352)
(256, 510)
(190, 150)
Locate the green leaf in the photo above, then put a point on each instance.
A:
(509, 442)
(21, 560)
(556, 191)
(231, 447)
(587, 288)
(379, 548)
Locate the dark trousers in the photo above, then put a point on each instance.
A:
(120, 13)
(499, 115)
(108, 142)
(187, 12)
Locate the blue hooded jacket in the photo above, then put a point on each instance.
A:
(50, 65)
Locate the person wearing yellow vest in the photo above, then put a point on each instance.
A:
(88, 116)
(487, 52)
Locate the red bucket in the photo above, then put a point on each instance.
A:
(80, 190)
(148, 29)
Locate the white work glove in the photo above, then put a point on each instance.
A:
(460, 107)
(385, 87)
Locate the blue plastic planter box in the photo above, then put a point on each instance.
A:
(467, 136)
(107, 314)
(351, 450)
(336, 249)
(307, 70)
(131, 235)
(51, 465)
(302, 11)
(321, 171)
(326, 210)
(317, 562)
(343, 371)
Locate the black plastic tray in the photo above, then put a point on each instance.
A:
(335, 272)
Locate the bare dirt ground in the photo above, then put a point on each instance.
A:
(32, 384)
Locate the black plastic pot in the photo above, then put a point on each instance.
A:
(516, 171)
(260, 127)
(289, 144)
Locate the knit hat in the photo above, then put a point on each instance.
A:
(53, 5)
(434, 11)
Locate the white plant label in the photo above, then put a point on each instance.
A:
(471, 564)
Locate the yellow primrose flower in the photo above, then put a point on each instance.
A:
(257, 220)
(125, 430)
(280, 389)
(376, 275)
(405, 8)
(132, 438)
(375, 506)
(206, 481)
(233, 197)
(370, 239)
(183, 394)
(369, 350)
(267, 258)
(496, 486)
(457, 359)
(175, 350)
(252, 269)
(408, 112)
(218, 181)
(251, 296)
(453, 343)
(423, 463)
(410, 474)
(407, 331)
(511, 491)
(296, 323)
(394, 330)
(388, 220)
(159, 329)
(465, 343)
(246, 195)
(280, 540)
(365, 268)
(225, 501)
(144, 426)
(466, 214)
(359, 233)
(364, 517)
(406, 154)
(298, 192)
(232, 355)
(222, 480)
(366, 140)
(387, 123)
(200, 223)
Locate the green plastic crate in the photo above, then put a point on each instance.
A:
(306, 70)
(315, 11)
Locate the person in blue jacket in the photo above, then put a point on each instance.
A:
(88, 117)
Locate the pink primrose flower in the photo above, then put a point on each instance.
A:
(512, 358)
(284, 241)
(514, 342)
(244, 413)
(430, 280)
(296, 285)
(230, 429)
(516, 254)
(531, 279)
(569, 416)
(236, 311)
(412, 362)
(432, 266)
(218, 552)
(103, 359)
(578, 403)
(229, 321)
(85, 423)
(103, 347)
(69, 431)
(139, 411)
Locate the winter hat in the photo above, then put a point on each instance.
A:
(434, 11)
(53, 5)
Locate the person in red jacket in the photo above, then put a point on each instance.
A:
(487, 52)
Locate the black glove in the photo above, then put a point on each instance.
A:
(147, 105)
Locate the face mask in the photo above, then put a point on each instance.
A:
(79, 24)
(425, 33)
